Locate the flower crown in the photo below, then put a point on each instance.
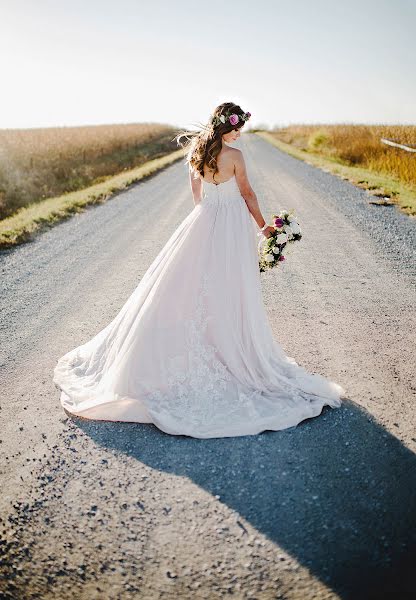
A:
(232, 117)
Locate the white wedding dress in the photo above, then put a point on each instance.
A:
(192, 350)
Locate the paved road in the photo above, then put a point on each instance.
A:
(325, 510)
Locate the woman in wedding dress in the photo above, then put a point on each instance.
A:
(192, 350)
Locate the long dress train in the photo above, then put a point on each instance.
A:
(192, 350)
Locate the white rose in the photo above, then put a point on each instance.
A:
(222, 119)
(262, 245)
(294, 227)
(287, 229)
(282, 238)
(269, 258)
(275, 249)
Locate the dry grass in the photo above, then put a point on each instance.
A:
(359, 145)
(42, 163)
(356, 153)
(32, 219)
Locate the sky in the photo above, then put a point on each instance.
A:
(88, 62)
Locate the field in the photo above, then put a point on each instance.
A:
(384, 170)
(42, 163)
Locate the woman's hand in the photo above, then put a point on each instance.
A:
(268, 231)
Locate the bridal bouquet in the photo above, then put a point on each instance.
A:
(286, 229)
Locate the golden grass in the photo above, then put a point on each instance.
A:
(46, 162)
(37, 216)
(355, 153)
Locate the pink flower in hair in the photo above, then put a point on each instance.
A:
(234, 119)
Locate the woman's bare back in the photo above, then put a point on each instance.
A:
(226, 167)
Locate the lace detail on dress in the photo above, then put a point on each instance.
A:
(197, 379)
(200, 390)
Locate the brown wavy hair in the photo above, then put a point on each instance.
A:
(203, 145)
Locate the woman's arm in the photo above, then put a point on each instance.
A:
(196, 187)
(247, 191)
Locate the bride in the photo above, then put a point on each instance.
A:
(191, 350)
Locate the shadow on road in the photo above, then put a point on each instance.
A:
(337, 492)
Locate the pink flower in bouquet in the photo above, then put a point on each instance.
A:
(281, 257)
(279, 222)
(234, 119)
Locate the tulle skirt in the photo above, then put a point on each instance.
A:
(192, 350)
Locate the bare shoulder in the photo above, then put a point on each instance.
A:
(228, 155)
(235, 152)
(240, 163)
(192, 171)
(237, 157)
(231, 157)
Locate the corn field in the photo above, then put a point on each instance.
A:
(358, 145)
(47, 162)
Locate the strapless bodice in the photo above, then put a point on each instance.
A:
(220, 191)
